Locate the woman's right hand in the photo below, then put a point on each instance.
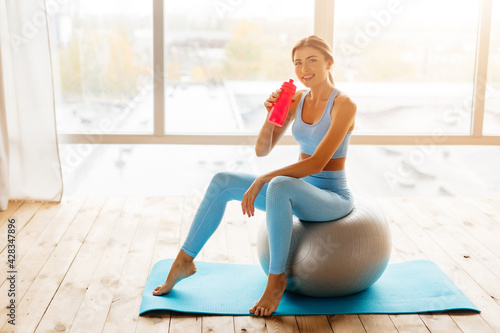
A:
(271, 99)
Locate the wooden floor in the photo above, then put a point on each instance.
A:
(82, 264)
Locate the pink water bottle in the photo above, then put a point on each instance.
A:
(280, 108)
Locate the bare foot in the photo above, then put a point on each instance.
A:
(182, 267)
(269, 301)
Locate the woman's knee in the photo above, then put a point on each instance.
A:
(220, 181)
(281, 185)
(222, 178)
(226, 180)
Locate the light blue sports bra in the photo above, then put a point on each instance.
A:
(309, 136)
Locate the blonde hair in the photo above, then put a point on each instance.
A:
(319, 44)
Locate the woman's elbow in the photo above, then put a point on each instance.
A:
(317, 168)
(316, 165)
(261, 152)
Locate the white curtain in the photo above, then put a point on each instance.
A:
(30, 168)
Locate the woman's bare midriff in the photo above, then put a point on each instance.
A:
(333, 164)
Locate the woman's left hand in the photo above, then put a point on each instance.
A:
(247, 203)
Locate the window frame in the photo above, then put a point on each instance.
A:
(323, 26)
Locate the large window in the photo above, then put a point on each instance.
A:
(223, 58)
(409, 65)
(173, 91)
(220, 59)
(102, 60)
(492, 100)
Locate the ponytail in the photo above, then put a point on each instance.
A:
(330, 76)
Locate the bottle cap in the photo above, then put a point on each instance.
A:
(290, 86)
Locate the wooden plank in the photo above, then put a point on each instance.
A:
(445, 233)
(472, 213)
(166, 246)
(154, 321)
(222, 324)
(34, 261)
(250, 324)
(66, 302)
(182, 323)
(29, 233)
(487, 205)
(126, 303)
(278, 324)
(495, 202)
(39, 295)
(472, 248)
(9, 212)
(493, 205)
(313, 324)
(470, 322)
(346, 324)
(474, 268)
(22, 217)
(435, 253)
(377, 323)
(98, 298)
(411, 323)
(477, 250)
(440, 322)
(476, 222)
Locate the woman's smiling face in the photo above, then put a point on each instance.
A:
(310, 66)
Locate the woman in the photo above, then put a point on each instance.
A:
(313, 189)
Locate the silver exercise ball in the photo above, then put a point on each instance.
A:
(334, 258)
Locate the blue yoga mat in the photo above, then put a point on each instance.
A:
(231, 289)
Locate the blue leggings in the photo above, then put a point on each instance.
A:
(320, 197)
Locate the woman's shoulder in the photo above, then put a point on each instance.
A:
(344, 101)
(346, 104)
